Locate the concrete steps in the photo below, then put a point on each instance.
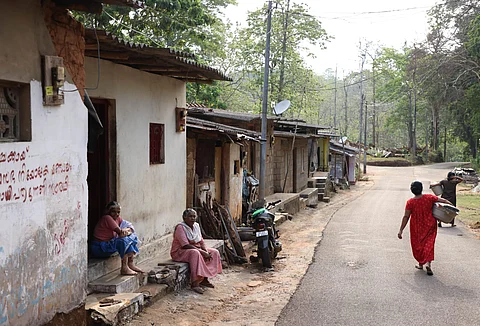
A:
(116, 283)
(320, 182)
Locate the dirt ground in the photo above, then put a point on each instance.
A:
(242, 291)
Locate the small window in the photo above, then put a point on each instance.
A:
(236, 167)
(157, 143)
(15, 122)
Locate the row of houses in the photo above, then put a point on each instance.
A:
(112, 129)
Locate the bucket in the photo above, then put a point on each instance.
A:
(444, 213)
(437, 190)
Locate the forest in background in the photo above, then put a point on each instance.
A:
(424, 97)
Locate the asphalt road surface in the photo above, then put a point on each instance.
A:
(363, 274)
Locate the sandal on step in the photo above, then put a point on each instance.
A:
(198, 289)
(429, 271)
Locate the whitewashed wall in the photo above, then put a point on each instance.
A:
(43, 209)
(43, 189)
(152, 196)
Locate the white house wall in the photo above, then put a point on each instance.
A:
(43, 189)
(152, 196)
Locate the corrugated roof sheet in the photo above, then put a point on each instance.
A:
(300, 124)
(160, 61)
(240, 133)
(337, 145)
(241, 116)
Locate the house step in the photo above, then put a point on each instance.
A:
(317, 182)
(320, 196)
(100, 267)
(326, 199)
(108, 309)
(311, 195)
(116, 283)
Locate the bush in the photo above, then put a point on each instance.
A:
(435, 156)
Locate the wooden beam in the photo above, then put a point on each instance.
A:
(107, 55)
(85, 6)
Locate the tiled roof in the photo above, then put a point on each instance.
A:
(160, 61)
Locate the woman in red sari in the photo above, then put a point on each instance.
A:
(423, 226)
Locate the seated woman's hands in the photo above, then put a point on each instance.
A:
(206, 255)
(125, 232)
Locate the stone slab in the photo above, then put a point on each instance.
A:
(125, 306)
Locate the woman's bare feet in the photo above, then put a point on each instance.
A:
(132, 266)
(135, 268)
(125, 270)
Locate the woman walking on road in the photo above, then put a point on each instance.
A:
(423, 226)
(449, 187)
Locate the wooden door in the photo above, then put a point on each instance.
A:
(98, 170)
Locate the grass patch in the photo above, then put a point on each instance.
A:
(389, 161)
(469, 205)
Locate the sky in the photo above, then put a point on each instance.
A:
(386, 23)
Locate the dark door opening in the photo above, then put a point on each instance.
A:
(99, 168)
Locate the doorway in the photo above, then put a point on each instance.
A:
(101, 165)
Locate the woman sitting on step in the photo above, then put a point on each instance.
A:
(113, 234)
(188, 246)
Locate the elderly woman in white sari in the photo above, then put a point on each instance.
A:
(188, 246)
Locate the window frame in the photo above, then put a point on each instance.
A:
(156, 143)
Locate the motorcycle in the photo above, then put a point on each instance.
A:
(262, 222)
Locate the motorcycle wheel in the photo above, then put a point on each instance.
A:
(273, 252)
(265, 256)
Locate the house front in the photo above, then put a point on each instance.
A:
(216, 158)
(251, 151)
(299, 150)
(343, 159)
(52, 190)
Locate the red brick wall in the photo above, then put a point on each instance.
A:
(68, 38)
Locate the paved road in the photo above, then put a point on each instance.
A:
(363, 275)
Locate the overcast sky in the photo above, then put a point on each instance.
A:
(389, 23)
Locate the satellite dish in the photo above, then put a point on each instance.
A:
(343, 139)
(281, 107)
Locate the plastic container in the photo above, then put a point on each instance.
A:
(444, 213)
(437, 190)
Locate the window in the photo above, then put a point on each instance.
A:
(15, 122)
(157, 143)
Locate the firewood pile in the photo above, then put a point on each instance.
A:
(216, 222)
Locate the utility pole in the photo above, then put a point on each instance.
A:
(374, 140)
(263, 149)
(281, 81)
(365, 141)
(335, 102)
(362, 97)
(345, 104)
